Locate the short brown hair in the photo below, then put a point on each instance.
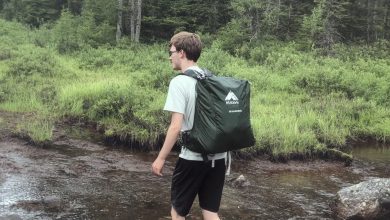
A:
(188, 42)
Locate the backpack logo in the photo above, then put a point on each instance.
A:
(231, 98)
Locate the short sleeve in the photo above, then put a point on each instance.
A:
(175, 101)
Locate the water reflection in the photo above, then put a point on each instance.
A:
(373, 159)
(89, 181)
(304, 194)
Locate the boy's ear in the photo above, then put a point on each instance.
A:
(183, 54)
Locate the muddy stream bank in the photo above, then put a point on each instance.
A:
(80, 178)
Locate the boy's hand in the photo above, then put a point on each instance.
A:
(157, 166)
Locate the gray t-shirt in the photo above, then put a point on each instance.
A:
(181, 98)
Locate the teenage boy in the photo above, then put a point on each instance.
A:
(192, 175)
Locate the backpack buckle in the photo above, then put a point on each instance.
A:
(184, 138)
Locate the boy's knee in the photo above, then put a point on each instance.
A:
(207, 215)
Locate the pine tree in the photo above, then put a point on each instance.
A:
(1, 5)
(31, 12)
(40, 11)
(321, 28)
(162, 18)
(74, 6)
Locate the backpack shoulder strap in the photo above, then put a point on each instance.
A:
(198, 75)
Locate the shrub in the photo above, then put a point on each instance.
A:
(40, 63)
(48, 93)
(232, 36)
(5, 53)
(13, 31)
(215, 59)
(65, 33)
(96, 60)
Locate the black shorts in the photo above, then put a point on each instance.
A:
(192, 178)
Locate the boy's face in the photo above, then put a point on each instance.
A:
(174, 57)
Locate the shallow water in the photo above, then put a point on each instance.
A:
(76, 179)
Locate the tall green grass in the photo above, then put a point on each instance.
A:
(38, 131)
(301, 103)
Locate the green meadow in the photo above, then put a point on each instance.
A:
(303, 104)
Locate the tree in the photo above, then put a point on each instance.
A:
(250, 11)
(162, 18)
(266, 17)
(135, 8)
(366, 20)
(138, 23)
(320, 23)
(2, 4)
(31, 12)
(41, 11)
(102, 10)
(291, 17)
(132, 19)
(321, 28)
(74, 6)
(66, 34)
(12, 9)
(119, 23)
(376, 19)
(208, 16)
(387, 20)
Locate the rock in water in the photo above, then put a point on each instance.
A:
(240, 181)
(366, 200)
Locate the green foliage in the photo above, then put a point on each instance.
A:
(31, 12)
(215, 59)
(302, 103)
(39, 131)
(71, 33)
(21, 101)
(12, 33)
(161, 19)
(102, 11)
(233, 35)
(379, 49)
(321, 28)
(35, 63)
(315, 24)
(65, 34)
(5, 53)
(94, 59)
(116, 104)
(277, 128)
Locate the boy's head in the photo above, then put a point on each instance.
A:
(188, 42)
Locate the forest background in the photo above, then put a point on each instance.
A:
(319, 69)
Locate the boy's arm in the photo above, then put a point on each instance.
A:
(170, 140)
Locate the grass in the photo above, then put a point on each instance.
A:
(38, 131)
(301, 104)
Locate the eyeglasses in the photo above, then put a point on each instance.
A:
(171, 52)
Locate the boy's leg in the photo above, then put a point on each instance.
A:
(207, 215)
(210, 192)
(186, 180)
(176, 216)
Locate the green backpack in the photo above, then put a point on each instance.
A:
(222, 115)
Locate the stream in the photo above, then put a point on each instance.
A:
(81, 178)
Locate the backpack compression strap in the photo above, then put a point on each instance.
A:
(198, 75)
